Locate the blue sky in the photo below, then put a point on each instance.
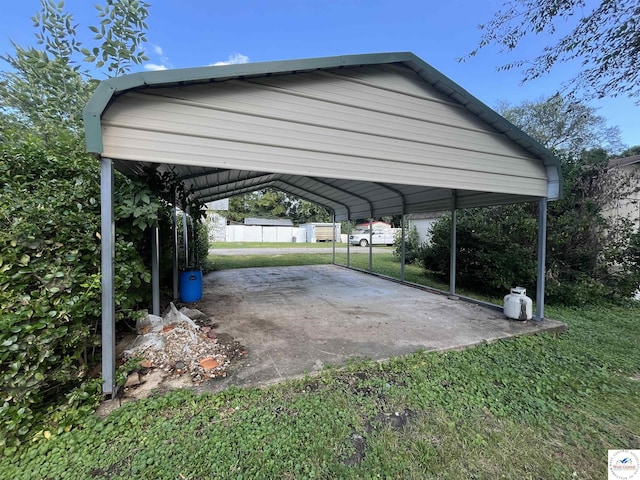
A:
(190, 33)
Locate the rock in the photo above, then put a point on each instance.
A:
(133, 380)
(146, 364)
(211, 334)
(179, 365)
(192, 313)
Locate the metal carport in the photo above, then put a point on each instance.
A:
(364, 135)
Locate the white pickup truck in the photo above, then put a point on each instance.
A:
(381, 236)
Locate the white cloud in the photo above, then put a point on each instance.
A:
(159, 59)
(154, 67)
(234, 59)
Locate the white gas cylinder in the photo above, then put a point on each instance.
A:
(517, 305)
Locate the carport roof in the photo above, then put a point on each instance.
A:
(137, 119)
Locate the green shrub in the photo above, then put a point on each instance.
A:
(198, 245)
(412, 247)
(588, 259)
(50, 294)
(495, 249)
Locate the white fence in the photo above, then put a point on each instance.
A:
(257, 233)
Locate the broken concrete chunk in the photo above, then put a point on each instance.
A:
(192, 313)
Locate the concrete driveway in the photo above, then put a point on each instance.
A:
(295, 320)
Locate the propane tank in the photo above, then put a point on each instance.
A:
(517, 305)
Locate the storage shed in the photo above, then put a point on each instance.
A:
(321, 232)
(363, 135)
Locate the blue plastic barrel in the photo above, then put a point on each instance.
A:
(190, 285)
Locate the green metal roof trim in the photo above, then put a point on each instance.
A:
(109, 89)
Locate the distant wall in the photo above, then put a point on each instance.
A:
(257, 233)
(424, 227)
(627, 207)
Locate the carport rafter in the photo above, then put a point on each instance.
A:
(232, 185)
(306, 196)
(239, 191)
(348, 193)
(277, 184)
(213, 171)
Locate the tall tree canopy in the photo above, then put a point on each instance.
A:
(564, 127)
(604, 37)
(47, 86)
(271, 203)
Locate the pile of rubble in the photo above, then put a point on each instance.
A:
(178, 346)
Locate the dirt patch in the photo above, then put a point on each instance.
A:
(359, 445)
(395, 420)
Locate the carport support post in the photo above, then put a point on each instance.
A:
(454, 228)
(348, 242)
(174, 215)
(185, 239)
(108, 254)
(370, 244)
(155, 269)
(334, 238)
(402, 251)
(542, 253)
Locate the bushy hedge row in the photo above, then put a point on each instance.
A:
(590, 257)
(49, 272)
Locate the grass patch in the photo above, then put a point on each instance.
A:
(532, 407)
(226, 262)
(238, 245)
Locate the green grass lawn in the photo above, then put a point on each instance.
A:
(536, 407)
(224, 245)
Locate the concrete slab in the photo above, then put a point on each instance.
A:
(296, 320)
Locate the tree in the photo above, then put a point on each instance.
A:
(47, 88)
(630, 152)
(566, 128)
(270, 203)
(302, 211)
(604, 37)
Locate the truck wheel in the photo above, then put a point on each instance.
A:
(363, 243)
